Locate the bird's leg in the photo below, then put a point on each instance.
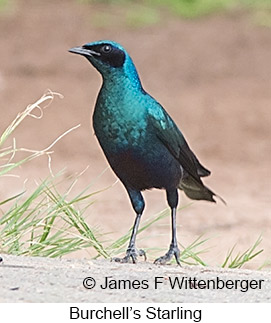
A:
(173, 249)
(132, 252)
(138, 204)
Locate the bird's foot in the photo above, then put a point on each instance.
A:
(173, 251)
(131, 256)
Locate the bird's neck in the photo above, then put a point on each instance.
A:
(123, 79)
(121, 84)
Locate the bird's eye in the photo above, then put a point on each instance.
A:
(106, 49)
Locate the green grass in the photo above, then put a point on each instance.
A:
(49, 222)
(7, 6)
(242, 258)
(3, 3)
(46, 224)
(194, 8)
(198, 8)
(140, 14)
(133, 15)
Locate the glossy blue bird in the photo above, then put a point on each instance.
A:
(141, 142)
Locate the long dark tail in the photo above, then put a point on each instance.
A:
(196, 190)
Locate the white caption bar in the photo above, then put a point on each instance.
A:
(153, 312)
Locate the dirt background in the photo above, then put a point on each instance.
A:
(211, 74)
(61, 280)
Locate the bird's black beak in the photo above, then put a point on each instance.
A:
(81, 50)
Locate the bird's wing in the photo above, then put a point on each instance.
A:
(169, 134)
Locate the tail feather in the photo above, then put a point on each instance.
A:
(201, 170)
(196, 190)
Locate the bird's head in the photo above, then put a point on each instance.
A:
(106, 56)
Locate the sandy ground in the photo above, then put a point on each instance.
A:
(61, 280)
(213, 77)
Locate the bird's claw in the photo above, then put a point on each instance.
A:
(131, 256)
(173, 251)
